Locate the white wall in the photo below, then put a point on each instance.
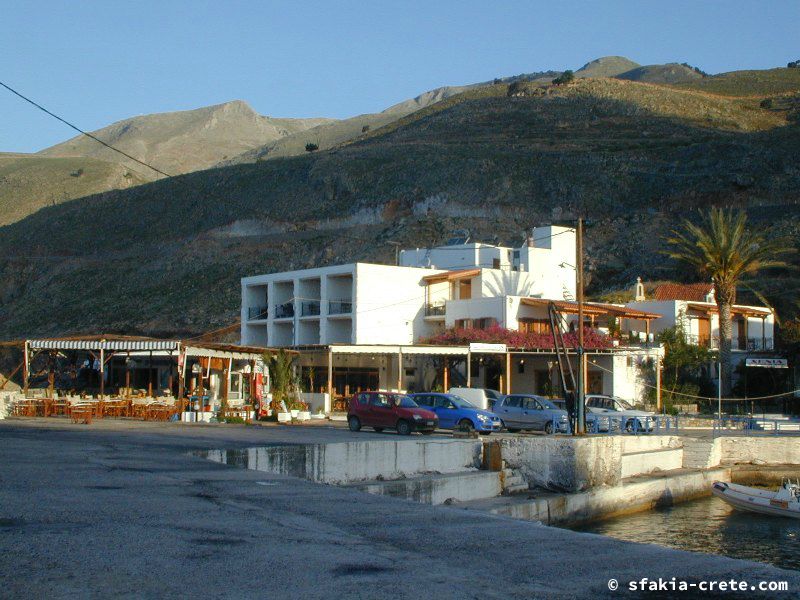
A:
(389, 304)
(477, 308)
(463, 256)
(498, 282)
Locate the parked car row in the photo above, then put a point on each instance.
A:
(490, 412)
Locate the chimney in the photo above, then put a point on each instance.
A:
(639, 291)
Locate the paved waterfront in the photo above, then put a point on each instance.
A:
(123, 509)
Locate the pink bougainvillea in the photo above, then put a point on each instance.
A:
(517, 339)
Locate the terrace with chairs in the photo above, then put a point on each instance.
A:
(96, 377)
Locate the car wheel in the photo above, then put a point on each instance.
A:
(466, 425)
(630, 425)
(548, 428)
(403, 428)
(354, 423)
(378, 429)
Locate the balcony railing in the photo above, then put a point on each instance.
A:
(754, 344)
(705, 341)
(309, 308)
(284, 311)
(435, 310)
(257, 312)
(737, 342)
(340, 307)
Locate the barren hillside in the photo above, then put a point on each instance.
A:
(634, 158)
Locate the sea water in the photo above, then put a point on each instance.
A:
(710, 525)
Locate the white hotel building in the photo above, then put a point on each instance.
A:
(360, 325)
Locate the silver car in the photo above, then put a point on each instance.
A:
(531, 412)
(620, 411)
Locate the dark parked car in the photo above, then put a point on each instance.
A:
(389, 410)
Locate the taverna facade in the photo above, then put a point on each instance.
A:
(368, 326)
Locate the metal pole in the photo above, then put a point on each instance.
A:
(400, 369)
(469, 369)
(26, 373)
(719, 390)
(102, 373)
(330, 379)
(659, 400)
(580, 426)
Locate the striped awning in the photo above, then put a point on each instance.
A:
(113, 345)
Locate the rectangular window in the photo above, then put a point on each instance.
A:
(541, 326)
(465, 290)
(485, 323)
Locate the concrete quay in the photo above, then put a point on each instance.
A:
(121, 509)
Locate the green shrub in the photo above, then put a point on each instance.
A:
(566, 77)
(238, 420)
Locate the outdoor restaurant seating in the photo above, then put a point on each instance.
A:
(85, 409)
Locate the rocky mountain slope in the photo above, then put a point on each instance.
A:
(606, 66)
(328, 135)
(671, 73)
(184, 141)
(226, 134)
(29, 182)
(166, 257)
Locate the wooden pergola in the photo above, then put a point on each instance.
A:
(596, 309)
(104, 347)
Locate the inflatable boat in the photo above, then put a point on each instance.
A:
(783, 503)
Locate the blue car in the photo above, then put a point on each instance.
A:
(456, 413)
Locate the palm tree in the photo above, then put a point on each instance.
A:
(282, 375)
(721, 247)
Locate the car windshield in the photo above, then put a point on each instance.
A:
(403, 401)
(460, 402)
(622, 405)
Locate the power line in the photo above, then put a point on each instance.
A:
(79, 130)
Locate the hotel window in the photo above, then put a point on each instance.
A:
(483, 323)
(535, 326)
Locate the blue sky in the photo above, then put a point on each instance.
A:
(95, 62)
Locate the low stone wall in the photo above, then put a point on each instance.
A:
(439, 489)
(761, 450)
(570, 464)
(564, 463)
(349, 462)
(604, 502)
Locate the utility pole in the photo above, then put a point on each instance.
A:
(719, 391)
(396, 251)
(580, 395)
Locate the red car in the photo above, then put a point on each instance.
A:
(389, 410)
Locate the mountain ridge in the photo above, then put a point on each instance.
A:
(633, 157)
(178, 142)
